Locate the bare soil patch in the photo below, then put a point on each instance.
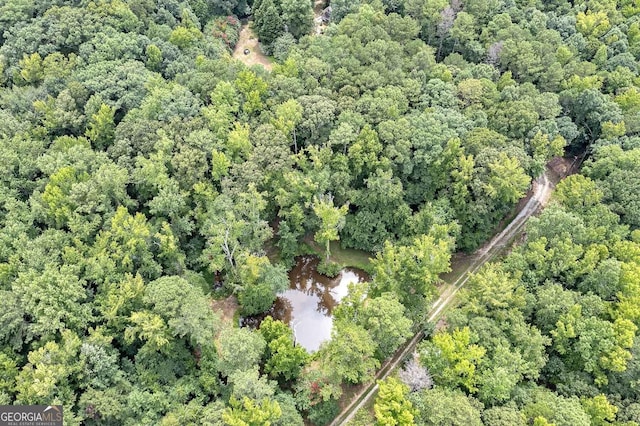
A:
(226, 308)
(561, 167)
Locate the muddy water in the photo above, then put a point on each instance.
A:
(309, 302)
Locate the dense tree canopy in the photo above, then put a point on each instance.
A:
(144, 172)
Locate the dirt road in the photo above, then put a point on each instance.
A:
(541, 193)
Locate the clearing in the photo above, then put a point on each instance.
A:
(248, 40)
(344, 256)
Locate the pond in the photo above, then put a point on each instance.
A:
(308, 304)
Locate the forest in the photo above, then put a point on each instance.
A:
(145, 173)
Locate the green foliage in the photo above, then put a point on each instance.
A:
(184, 37)
(50, 371)
(249, 384)
(439, 407)
(260, 282)
(616, 171)
(184, 307)
(453, 359)
(600, 410)
(44, 304)
(137, 157)
(318, 391)
(284, 358)
(503, 416)
(331, 221)
(323, 413)
(392, 406)
(239, 350)
(31, 68)
(507, 180)
(349, 355)
(362, 418)
(288, 116)
(383, 317)
(329, 269)
(268, 22)
(298, 16)
(57, 191)
(124, 247)
(547, 406)
(252, 89)
(411, 271)
(250, 413)
(154, 57)
(101, 129)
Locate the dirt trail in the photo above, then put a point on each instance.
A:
(248, 40)
(541, 193)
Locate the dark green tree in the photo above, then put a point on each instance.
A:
(268, 22)
(298, 16)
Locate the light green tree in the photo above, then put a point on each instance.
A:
(101, 128)
(601, 411)
(49, 372)
(252, 89)
(32, 70)
(411, 271)
(332, 220)
(507, 180)
(251, 413)
(154, 57)
(392, 408)
(288, 115)
(453, 359)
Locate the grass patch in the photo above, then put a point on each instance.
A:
(345, 257)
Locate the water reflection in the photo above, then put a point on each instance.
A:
(310, 300)
(312, 297)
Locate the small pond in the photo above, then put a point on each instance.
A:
(309, 302)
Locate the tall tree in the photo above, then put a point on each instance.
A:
(453, 358)
(240, 349)
(288, 116)
(443, 406)
(332, 220)
(298, 16)
(411, 271)
(101, 129)
(349, 355)
(268, 21)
